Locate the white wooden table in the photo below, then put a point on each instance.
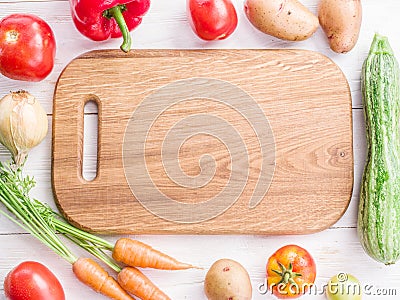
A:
(335, 250)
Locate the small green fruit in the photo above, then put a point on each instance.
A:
(343, 287)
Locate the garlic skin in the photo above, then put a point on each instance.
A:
(23, 124)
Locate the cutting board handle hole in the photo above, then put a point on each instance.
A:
(90, 140)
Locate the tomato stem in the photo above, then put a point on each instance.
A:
(12, 36)
(287, 274)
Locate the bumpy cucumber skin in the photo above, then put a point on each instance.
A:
(379, 207)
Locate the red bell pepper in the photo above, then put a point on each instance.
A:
(100, 20)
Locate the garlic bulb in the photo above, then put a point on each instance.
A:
(23, 124)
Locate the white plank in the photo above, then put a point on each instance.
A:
(335, 250)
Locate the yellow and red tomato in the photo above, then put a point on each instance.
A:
(291, 271)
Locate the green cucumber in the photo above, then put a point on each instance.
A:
(379, 207)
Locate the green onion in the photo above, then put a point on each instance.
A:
(14, 190)
(43, 222)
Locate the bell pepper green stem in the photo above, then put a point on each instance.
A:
(116, 13)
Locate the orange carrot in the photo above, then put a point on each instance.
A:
(137, 254)
(136, 283)
(93, 275)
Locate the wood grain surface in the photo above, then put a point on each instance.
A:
(303, 95)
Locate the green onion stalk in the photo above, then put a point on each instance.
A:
(42, 221)
(13, 194)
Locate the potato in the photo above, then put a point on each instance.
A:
(341, 22)
(284, 19)
(227, 280)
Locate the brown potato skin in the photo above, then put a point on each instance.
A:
(227, 279)
(285, 19)
(341, 22)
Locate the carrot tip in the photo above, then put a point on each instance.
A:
(196, 267)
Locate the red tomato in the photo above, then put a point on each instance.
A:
(27, 47)
(32, 281)
(291, 272)
(212, 19)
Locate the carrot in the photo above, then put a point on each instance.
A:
(136, 283)
(93, 275)
(125, 250)
(130, 252)
(137, 254)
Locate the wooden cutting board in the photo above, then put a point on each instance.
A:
(205, 142)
